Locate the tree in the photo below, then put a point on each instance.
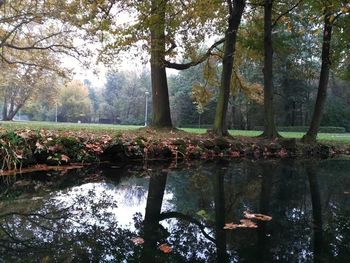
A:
(74, 102)
(331, 13)
(95, 99)
(235, 14)
(160, 27)
(36, 27)
(295, 67)
(123, 97)
(20, 83)
(160, 96)
(180, 85)
(269, 127)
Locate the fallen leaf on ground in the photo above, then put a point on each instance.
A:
(138, 240)
(165, 248)
(64, 158)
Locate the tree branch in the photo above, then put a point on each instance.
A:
(286, 12)
(194, 63)
(256, 4)
(167, 215)
(230, 6)
(14, 29)
(172, 47)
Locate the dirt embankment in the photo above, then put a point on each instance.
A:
(25, 148)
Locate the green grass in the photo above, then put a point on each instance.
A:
(334, 137)
(60, 126)
(13, 125)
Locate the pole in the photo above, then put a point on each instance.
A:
(56, 114)
(146, 108)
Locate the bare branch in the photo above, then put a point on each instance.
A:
(8, 35)
(33, 64)
(167, 215)
(33, 47)
(194, 63)
(172, 47)
(285, 13)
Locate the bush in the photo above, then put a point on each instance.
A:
(337, 113)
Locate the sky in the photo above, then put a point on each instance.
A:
(96, 73)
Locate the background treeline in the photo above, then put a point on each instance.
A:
(249, 63)
(122, 101)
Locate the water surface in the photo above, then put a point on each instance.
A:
(94, 215)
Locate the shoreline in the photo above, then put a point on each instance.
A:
(28, 148)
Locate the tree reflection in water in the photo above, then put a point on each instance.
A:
(185, 209)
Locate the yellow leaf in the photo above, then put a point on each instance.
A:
(344, 9)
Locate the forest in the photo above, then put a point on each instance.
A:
(221, 132)
(235, 64)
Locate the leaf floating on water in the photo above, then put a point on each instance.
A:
(346, 193)
(165, 248)
(247, 223)
(138, 240)
(260, 217)
(231, 226)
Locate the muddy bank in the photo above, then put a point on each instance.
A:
(24, 148)
(215, 148)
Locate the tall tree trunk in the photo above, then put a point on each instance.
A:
(219, 197)
(320, 250)
(233, 112)
(311, 134)
(13, 111)
(270, 127)
(160, 95)
(268, 170)
(4, 109)
(236, 8)
(151, 223)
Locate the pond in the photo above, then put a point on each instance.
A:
(162, 213)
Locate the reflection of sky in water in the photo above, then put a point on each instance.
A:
(288, 237)
(129, 199)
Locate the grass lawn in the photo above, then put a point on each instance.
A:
(13, 125)
(334, 137)
(65, 126)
